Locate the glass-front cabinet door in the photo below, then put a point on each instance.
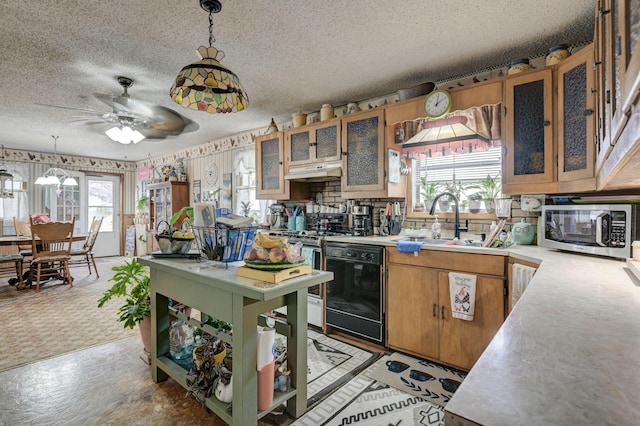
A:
(528, 137)
(363, 153)
(270, 167)
(319, 142)
(576, 127)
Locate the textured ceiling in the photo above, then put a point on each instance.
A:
(290, 55)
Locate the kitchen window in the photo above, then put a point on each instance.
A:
(452, 153)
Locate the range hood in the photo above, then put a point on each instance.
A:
(315, 173)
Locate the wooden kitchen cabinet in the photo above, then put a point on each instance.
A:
(617, 53)
(364, 155)
(319, 142)
(528, 154)
(411, 290)
(576, 122)
(270, 170)
(550, 128)
(418, 314)
(462, 342)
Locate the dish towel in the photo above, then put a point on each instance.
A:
(522, 275)
(462, 290)
(307, 253)
(409, 246)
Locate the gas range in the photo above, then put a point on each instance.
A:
(308, 238)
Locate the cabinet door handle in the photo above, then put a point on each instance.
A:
(442, 312)
(546, 123)
(435, 310)
(588, 112)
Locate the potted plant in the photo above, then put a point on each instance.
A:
(475, 202)
(490, 188)
(428, 191)
(142, 204)
(131, 281)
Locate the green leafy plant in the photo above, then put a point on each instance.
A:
(489, 187)
(246, 208)
(429, 190)
(142, 204)
(131, 281)
(187, 211)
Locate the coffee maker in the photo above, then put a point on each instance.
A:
(361, 220)
(278, 218)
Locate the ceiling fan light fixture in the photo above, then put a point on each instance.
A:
(206, 85)
(124, 135)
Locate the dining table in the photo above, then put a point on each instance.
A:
(14, 240)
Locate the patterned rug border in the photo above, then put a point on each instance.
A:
(425, 379)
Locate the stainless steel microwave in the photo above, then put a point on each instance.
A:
(600, 229)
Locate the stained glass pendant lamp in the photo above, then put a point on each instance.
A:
(54, 175)
(206, 85)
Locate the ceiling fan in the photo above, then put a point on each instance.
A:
(133, 119)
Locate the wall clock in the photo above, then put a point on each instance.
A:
(437, 103)
(211, 174)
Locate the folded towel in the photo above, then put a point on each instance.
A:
(522, 275)
(405, 246)
(462, 290)
(308, 253)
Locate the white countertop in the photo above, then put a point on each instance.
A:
(569, 352)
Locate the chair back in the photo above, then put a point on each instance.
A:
(93, 234)
(22, 228)
(51, 238)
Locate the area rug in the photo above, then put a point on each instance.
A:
(59, 319)
(425, 379)
(365, 401)
(330, 363)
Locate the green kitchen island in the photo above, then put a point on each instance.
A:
(216, 290)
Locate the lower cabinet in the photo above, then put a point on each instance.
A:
(419, 320)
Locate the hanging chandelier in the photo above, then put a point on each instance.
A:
(55, 175)
(206, 85)
(6, 180)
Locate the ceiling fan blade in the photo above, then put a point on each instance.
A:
(69, 108)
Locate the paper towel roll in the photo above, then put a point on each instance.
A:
(266, 340)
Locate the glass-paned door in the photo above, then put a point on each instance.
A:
(103, 200)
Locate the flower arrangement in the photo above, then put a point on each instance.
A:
(40, 218)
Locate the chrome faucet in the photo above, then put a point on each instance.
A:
(456, 224)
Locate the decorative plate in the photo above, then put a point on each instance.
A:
(271, 266)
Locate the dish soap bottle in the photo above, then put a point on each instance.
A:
(435, 229)
(493, 226)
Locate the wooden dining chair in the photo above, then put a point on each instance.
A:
(84, 255)
(23, 230)
(51, 246)
(10, 261)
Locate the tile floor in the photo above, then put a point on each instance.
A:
(102, 385)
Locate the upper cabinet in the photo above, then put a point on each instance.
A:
(617, 65)
(549, 128)
(576, 121)
(363, 154)
(314, 143)
(270, 167)
(528, 136)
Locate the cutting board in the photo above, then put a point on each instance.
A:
(273, 276)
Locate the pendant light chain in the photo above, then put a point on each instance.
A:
(212, 39)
